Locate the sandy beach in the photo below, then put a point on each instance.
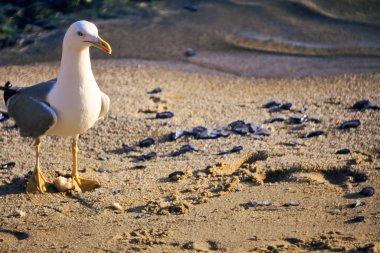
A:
(290, 178)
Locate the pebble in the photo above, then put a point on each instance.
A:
(350, 124)
(164, 115)
(314, 119)
(146, 142)
(116, 206)
(253, 203)
(297, 119)
(313, 134)
(139, 167)
(374, 106)
(271, 104)
(286, 106)
(356, 219)
(262, 131)
(155, 91)
(19, 213)
(103, 156)
(4, 116)
(344, 151)
(292, 143)
(9, 165)
(102, 169)
(292, 203)
(235, 149)
(185, 149)
(177, 134)
(63, 184)
(190, 52)
(367, 191)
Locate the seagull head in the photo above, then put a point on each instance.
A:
(83, 34)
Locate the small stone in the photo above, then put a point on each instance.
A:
(357, 203)
(20, 213)
(286, 106)
(139, 167)
(9, 165)
(127, 148)
(271, 104)
(176, 135)
(374, 106)
(190, 52)
(102, 169)
(164, 115)
(314, 119)
(155, 91)
(360, 105)
(116, 206)
(344, 151)
(262, 131)
(63, 184)
(146, 142)
(350, 124)
(103, 156)
(239, 127)
(367, 191)
(312, 134)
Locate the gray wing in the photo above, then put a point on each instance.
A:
(29, 108)
(105, 105)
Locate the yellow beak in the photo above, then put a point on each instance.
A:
(103, 45)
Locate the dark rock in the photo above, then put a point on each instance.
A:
(185, 149)
(312, 134)
(190, 52)
(9, 165)
(367, 191)
(4, 116)
(138, 167)
(220, 132)
(286, 106)
(233, 150)
(350, 124)
(360, 105)
(155, 91)
(344, 151)
(271, 104)
(297, 119)
(164, 115)
(356, 219)
(176, 174)
(146, 142)
(191, 8)
(277, 119)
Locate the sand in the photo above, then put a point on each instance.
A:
(210, 207)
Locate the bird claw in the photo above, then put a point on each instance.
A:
(37, 183)
(83, 185)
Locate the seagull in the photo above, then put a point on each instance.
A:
(66, 106)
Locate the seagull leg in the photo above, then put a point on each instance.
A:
(80, 184)
(37, 183)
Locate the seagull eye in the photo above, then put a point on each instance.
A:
(80, 33)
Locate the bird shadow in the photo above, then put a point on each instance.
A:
(19, 235)
(17, 187)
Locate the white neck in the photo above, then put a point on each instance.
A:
(75, 67)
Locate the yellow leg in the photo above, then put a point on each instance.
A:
(37, 183)
(80, 184)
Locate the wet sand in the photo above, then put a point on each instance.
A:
(210, 207)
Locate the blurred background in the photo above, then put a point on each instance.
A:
(244, 37)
